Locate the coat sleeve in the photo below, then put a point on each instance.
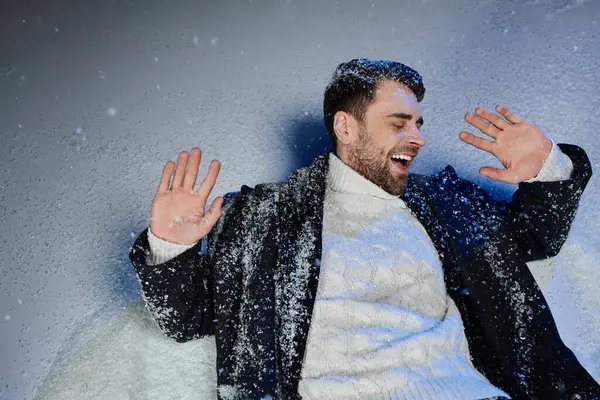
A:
(179, 292)
(539, 216)
(176, 292)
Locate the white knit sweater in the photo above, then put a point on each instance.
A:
(383, 326)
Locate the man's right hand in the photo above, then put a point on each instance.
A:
(177, 213)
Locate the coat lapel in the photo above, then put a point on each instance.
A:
(429, 199)
(300, 217)
(417, 199)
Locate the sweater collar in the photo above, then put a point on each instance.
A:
(343, 179)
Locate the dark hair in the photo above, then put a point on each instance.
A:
(352, 87)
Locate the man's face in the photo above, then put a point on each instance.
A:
(391, 128)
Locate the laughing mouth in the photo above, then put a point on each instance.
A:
(402, 159)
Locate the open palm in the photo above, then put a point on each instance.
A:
(178, 212)
(519, 145)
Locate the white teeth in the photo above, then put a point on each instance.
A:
(402, 157)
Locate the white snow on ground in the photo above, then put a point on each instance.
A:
(129, 358)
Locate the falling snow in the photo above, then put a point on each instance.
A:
(129, 355)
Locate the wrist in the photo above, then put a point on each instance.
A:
(544, 154)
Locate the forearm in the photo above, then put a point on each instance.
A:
(176, 291)
(162, 251)
(541, 212)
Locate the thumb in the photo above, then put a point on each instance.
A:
(214, 212)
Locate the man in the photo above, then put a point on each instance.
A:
(353, 279)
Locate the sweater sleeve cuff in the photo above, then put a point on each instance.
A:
(162, 251)
(557, 166)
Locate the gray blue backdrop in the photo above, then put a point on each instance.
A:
(95, 97)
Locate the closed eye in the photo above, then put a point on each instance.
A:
(403, 126)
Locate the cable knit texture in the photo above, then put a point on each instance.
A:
(383, 326)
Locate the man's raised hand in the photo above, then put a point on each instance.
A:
(519, 145)
(178, 212)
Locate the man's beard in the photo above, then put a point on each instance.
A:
(372, 162)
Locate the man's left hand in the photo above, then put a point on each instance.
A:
(519, 145)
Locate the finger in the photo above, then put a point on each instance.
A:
(498, 174)
(506, 113)
(477, 142)
(500, 123)
(165, 178)
(180, 170)
(214, 212)
(211, 178)
(191, 172)
(483, 125)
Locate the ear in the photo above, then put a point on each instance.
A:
(344, 127)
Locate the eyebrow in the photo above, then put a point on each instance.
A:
(402, 115)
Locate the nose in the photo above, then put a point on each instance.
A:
(415, 137)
